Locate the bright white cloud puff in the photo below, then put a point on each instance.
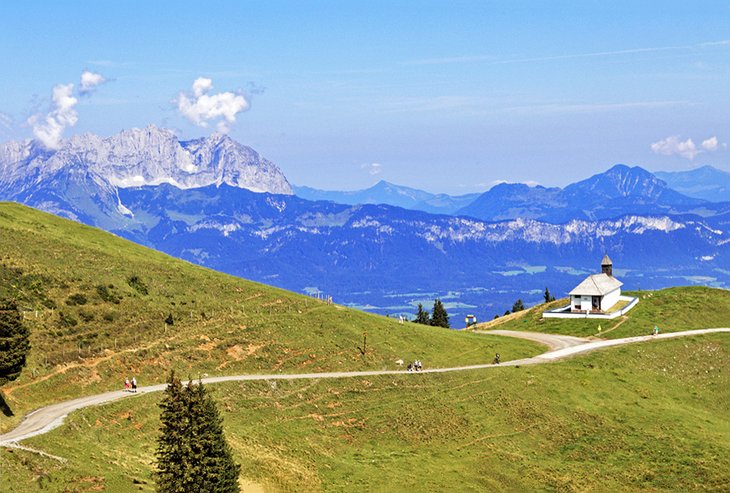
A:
(200, 107)
(49, 129)
(673, 145)
(90, 81)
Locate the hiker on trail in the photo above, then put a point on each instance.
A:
(496, 359)
(126, 384)
(418, 365)
(656, 330)
(134, 384)
(410, 366)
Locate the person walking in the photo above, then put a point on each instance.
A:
(134, 384)
(126, 384)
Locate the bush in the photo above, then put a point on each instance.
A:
(76, 299)
(106, 295)
(138, 285)
(66, 320)
(110, 317)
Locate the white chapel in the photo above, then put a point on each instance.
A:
(598, 292)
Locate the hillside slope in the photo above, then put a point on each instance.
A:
(636, 418)
(671, 309)
(97, 307)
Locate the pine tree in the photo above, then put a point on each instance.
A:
(14, 342)
(548, 297)
(217, 470)
(173, 451)
(439, 317)
(422, 316)
(518, 306)
(192, 452)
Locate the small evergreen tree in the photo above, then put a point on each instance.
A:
(192, 452)
(518, 306)
(169, 320)
(548, 297)
(422, 316)
(439, 317)
(218, 471)
(173, 451)
(14, 342)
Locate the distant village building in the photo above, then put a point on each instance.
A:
(598, 292)
(597, 296)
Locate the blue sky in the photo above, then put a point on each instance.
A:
(445, 96)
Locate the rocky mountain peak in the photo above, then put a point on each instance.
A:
(148, 156)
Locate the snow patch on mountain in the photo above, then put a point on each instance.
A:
(225, 228)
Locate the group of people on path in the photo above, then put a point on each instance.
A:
(415, 366)
(130, 386)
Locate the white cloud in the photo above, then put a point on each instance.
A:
(49, 129)
(201, 107)
(90, 81)
(373, 168)
(710, 144)
(673, 145)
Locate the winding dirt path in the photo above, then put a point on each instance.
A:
(47, 418)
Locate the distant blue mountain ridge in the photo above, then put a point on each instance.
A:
(391, 194)
(706, 183)
(379, 257)
(619, 190)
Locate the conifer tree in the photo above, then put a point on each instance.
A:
(14, 342)
(217, 470)
(439, 317)
(518, 306)
(173, 451)
(192, 452)
(422, 316)
(548, 297)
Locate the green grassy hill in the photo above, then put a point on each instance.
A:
(648, 417)
(672, 310)
(97, 305)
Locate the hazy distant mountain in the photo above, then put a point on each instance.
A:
(391, 194)
(197, 205)
(383, 256)
(707, 183)
(620, 190)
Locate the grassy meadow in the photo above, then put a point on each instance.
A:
(647, 417)
(671, 309)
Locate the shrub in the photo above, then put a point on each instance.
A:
(76, 299)
(66, 320)
(106, 295)
(138, 285)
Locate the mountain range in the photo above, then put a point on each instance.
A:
(384, 192)
(220, 204)
(621, 189)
